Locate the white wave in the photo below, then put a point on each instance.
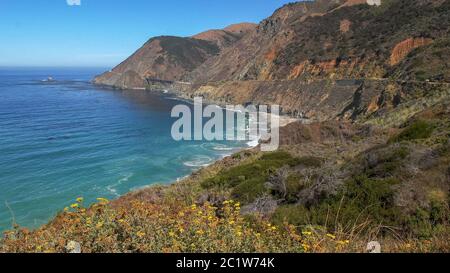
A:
(253, 143)
(221, 147)
(182, 178)
(112, 188)
(216, 147)
(198, 161)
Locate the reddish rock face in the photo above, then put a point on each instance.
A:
(227, 36)
(402, 49)
(310, 57)
(241, 28)
(345, 25)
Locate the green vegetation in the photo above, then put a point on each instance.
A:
(426, 222)
(187, 52)
(419, 129)
(384, 162)
(362, 200)
(247, 180)
(364, 204)
(294, 185)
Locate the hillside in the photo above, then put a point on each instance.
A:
(369, 160)
(226, 37)
(320, 60)
(169, 58)
(314, 59)
(331, 40)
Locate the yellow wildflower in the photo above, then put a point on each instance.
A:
(66, 209)
(80, 199)
(307, 233)
(331, 236)
(140, 234)
(171, 234)
(305, 247)
(74, 206)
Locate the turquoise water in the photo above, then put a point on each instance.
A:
(65, 139)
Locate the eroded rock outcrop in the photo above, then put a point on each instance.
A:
(311, 58)
(402, 49)
(169, 58)
(345, 25)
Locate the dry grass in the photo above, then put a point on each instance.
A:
(145, 227)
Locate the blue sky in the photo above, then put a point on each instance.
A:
(101, 33)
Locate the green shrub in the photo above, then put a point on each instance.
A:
(370, 201)
(309, 161)
(296, 215)
(362, 199)
(387, 162)
(294, 185)
(418, 130)
(249, 190)
(373, 198)
(247, 180)
(425, 222)
(236, 156)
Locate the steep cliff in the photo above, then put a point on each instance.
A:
(162, 58)
(335, 59)
(169, 58)
(315, 59)
(330, 39)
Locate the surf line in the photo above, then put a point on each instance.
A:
(248, 123)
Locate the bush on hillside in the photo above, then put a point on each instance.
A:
(420, 129)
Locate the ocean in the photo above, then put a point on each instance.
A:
(66, 138)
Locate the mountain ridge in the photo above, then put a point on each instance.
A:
(367, 162)
(309, 50)
(168, 58)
